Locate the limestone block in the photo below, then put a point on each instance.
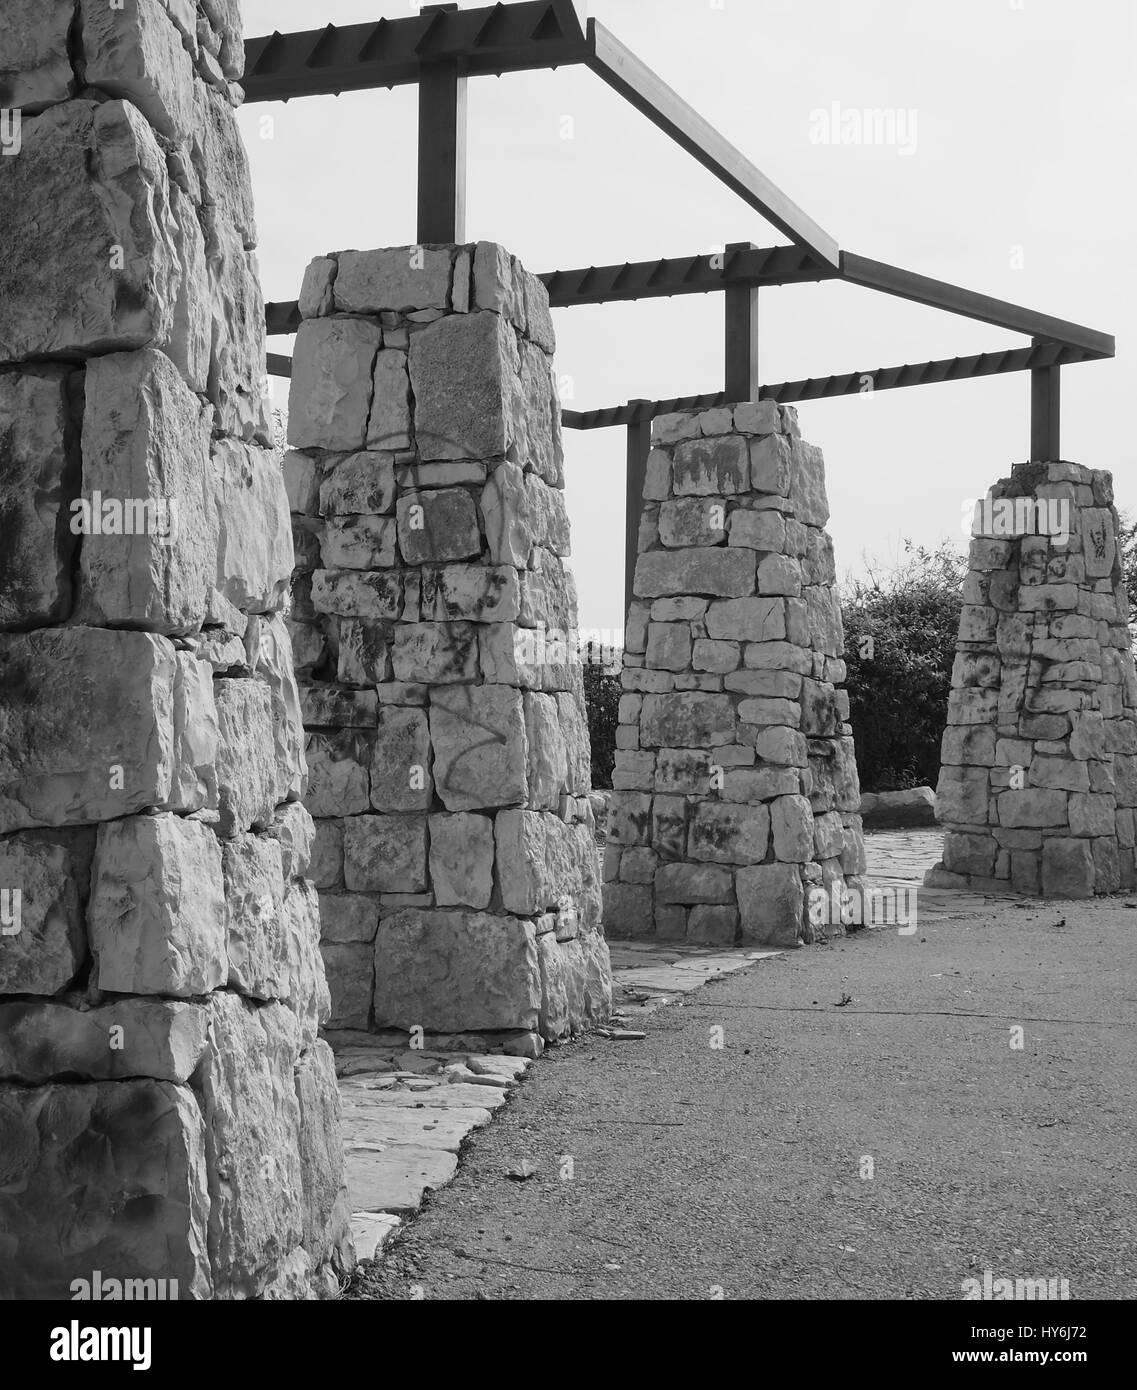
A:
(252, 1119)
(694, 883)
(360, 484)
(782, 746)
(668, 646)
(729, 834)
(316, 298)
(39, 477)
(770, 655)
(385, 854)
(819, 565)
(828, 836)
(351, 595)
(765, 530)
(628, 910)
(389, 426)
(325, 1212)
(1064, 774)
(476, 593)
(247, 773)
(779, 574)
(305, 992)
(400, 767)
(254, 898)
(364, 652)
(1029, 808)
(536, 416)
(687, 720)
(807, 483)
(294, 830)
(824, 617)
(754, 784)
(573, 721)
(657, 476)
(71, 1153)
(537, 865)
(1100, 542)
(438, 526)
(1092, 814)
(254, 547)
(275, 668)
(35, 67)
(398, 279)
(712, 926)
(360, 543)
(157, 912)
(453, 970)
(462, 372)
(715, 467)
(1067, 868)
(350, 969)
(329, 402)
(435, 653)
(791, 824)
(100, 171)
(771, 464)
(121, 751)
(784, 712)
(461, 859)
(692, 521)
(42, 941)
(747, 619)
(137, 54)
(480, 747)
(348, 917)
(237, 384)
(547, 765)
(771, 901)
(714, 656)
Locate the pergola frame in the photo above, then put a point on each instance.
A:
(440, 48)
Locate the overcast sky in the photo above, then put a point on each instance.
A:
(1013, 174)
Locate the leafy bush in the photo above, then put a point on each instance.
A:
(602, 699)
(900, 634)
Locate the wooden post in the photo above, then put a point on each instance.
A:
(741, 336)
(1045, 414)
(441, 150)
(639, 446)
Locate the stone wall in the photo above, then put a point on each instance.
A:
(736, 788)
(434, 622)
(167, 1111)
(1038, 783)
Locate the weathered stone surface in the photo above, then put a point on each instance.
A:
(254, 899)
(770, 903)
(325, 1211)
(729, 834)
(35, 66)
(137, 53)
(396, 279)
(39, 477)
(371, 596)
(807, 483)
(446, 970)
(117, 704)
(93, 166)
(687, 720)
(696, 570)
(400, 768)
(252, 1120)
(714, 467)
(462, 369)
(338, 777)
(333, 365)
(389, 426)
(385, 854)
(350, 972)
(435, 653)
(254, 546)
(157, 913)
(438, 526)
(247, 775)
(480, 747)
(361, 484)
(149, 549)
(42, 942)
(71, 1152)
(162, 1039)
(462, 859)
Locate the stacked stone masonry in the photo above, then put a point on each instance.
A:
(735, 788)
(433, 620)
(169, 1118)
(1038, 779)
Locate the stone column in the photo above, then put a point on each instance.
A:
(168, 1114)
(434, 623)
(736, 792)
(1038, 783)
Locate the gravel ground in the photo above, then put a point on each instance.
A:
(890, 1146)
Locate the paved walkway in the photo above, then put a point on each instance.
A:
(886, 1116)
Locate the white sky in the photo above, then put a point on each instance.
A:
(1021, 185)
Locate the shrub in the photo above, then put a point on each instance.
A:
(602, 693)
(900, 634)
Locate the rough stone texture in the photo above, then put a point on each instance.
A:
(454, 829)
(167, 1110)
(734, 778)
(1042, 719)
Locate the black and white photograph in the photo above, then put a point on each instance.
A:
(568, 715)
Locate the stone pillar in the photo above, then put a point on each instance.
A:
(434, 624)
(1038, 782)
(168, 1114)
(736, 791)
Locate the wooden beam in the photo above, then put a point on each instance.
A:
(1046, 414)
(636, 82)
